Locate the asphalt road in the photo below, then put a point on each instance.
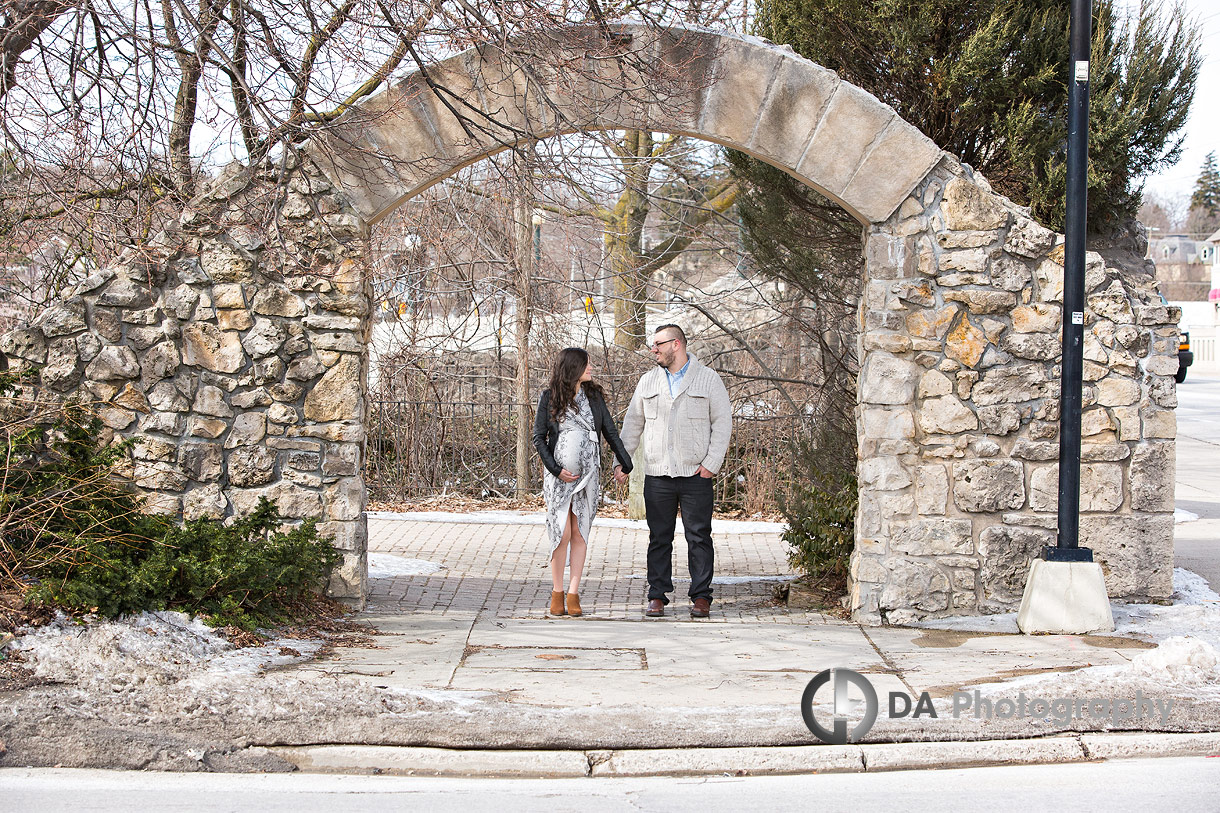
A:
(1182, 785)
(1197, 543)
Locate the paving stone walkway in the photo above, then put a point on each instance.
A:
(502, 570)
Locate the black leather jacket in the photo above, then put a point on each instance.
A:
(546, 432)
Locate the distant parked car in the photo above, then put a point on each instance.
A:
(1185, 356)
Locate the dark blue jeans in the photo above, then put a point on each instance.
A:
(662, 497)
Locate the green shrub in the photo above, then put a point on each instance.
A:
(244, 574)
(820, 506)
(75, 535)
(821, 527)
(58, 492)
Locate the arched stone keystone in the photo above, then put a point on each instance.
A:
(741, 92)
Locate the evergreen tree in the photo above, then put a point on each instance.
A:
(987, 81)
(1206, 197)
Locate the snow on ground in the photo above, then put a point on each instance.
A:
(1195, 612)
(167, 666)
(1182, 515)
(1187, 669)
(151, 649)
(387, 566)
(1187, 656)
(719, 526)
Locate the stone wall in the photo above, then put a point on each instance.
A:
(959, 405)
(234, 348)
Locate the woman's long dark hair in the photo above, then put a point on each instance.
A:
(569, 366)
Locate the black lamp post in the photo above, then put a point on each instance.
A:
(1068, 547)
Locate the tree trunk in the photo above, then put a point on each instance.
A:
(523, 260)
(623, 241)
(630, 293)
(24, 23)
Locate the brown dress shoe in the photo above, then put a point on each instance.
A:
(573, 605)
(656, 608)
(557, 604)
(702, 608)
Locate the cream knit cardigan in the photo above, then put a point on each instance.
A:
(681, 432)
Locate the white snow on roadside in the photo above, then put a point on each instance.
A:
(152, 648)
(1179, 665)
(1186, 658)
(387, 566)
(1182, 515)
(722, 526)
(155, 648)
(166, 666)
(1191, 588)
(1195, 612)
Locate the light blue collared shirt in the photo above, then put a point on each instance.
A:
(675, 379)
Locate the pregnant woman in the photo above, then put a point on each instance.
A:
(572, 418)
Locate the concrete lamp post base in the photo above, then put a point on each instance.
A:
(1065, 598)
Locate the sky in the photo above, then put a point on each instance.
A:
(1203, 129)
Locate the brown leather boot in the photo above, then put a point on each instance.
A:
(557, 603)
(573, 605)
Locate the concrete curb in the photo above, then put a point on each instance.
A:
(408, 761)
(412, 761)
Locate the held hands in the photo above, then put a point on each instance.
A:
(704, 473)
(620, 476)
(567, 476)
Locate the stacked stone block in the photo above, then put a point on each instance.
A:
(234, 348)
(961, 326)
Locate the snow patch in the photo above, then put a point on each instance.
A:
(387, 566)
(1179, 665)
(169, 667)
(1191, 588)
(1182, 515)
(149, 648)
(1187, 657)
(1179, 660)
(1195, 613)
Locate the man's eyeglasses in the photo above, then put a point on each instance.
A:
(659, 345)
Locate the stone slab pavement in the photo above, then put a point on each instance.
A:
(479, 628)
(614, 693)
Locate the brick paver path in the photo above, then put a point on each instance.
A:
(503, 570)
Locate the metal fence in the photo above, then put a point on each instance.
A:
(423, 448)
(1205, 348)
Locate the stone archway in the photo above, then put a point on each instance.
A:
(241, 361)
(734, 91)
